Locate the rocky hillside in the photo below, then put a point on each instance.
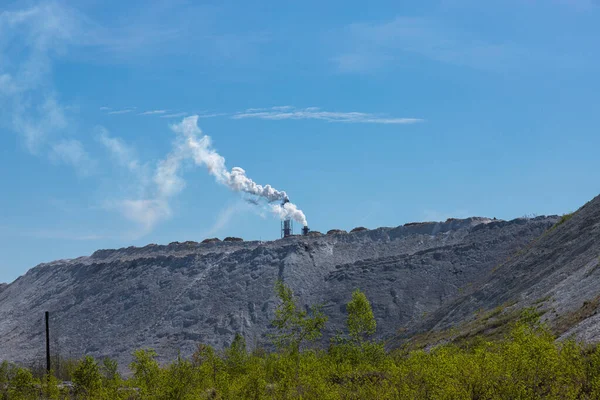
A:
(557, 276)
(172, 297)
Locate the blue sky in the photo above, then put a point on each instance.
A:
(369, 116)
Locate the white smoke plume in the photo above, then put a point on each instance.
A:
(192, 144)
(289, 210)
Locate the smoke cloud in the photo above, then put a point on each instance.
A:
(192, 144)
(289, 210)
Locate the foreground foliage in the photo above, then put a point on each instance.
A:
(527, 364)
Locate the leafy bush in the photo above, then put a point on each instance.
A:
(527, 363)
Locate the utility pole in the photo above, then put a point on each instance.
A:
(48, 342)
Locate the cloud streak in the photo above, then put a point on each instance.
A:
(213, 115)
(119, 112)
(370, 46)
(144, 212)
(28, 104)
(279, 113)
(140, 203)
(174, 115)
(225, 217)
(71, 152)
(291, 113)
(121, 152)
(153, 112)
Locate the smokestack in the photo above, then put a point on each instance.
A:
(305, 230)
(287, 227)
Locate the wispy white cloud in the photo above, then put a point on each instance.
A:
(119, 150)
(149, 205)
(166, 177)
(138, 202)
(71, 152)
(372, 45)
(129, 110)
(153, 112)
(253, 110)
(367, 47)
(281, 113)
(174, 115)
(282, 108)
(287, 113)
(200, 115)
(213, 115)
(225, 216)
(146, 213)
(38, 124)
(146, 200)
(28, 104)
(123, 111)
(163, 30)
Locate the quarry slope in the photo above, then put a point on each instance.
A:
(173, 297)
(558, 275)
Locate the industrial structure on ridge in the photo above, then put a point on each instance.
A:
(287, 225)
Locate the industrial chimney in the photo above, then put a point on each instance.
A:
(287, 226)
(305, 230)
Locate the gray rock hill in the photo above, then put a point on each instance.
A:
(172, 297)
(557, 275)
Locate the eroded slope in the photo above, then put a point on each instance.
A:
(172, 297)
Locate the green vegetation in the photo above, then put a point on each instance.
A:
(570, 319)
(564, 218)
(361, 322)
(525, 362)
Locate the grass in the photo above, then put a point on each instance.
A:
(494, 324)
(562, 220)
(566, 321)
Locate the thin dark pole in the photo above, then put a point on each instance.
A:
(47, 342)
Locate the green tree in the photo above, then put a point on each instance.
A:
(236, 355)
(146, 372)
(179, 380)
(5, 369)
(295, 326)
(110, 370)
(111, 379)
(50, 389)
(22, 385)
(87, 379)
(209, 362)
(361, 322)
